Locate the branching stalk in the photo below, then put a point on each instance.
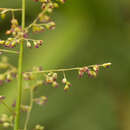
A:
(20, 64)
(67, 69)
(9, 9)
(30, 109)
(35, 20)
(8, 108)
(6, 10)
(9, 51)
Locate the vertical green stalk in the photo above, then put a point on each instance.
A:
(20, 66)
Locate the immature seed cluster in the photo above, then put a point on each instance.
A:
(15, 35)
(6, 121)
(40, 24)
(41, 100)
(7, 71)
(39, 127)
(2, 98)
(51, 79)
(45, 77)
(43, 20)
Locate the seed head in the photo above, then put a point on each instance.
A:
(66, 88)
(92, 74)
(63, 1)
(2, 98)
(55, 84)
(3, 15)
(6, 124)
(41, 100)
(25, 108)
(54, 76)
(29, 44)
(96, 68)
(64, 80)
(39, 127)
(107, 65)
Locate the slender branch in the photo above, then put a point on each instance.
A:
(20, 67)
(35, 20)
(67, 69)
(9, 108)
(9, 51)
(40, 24)
(6, 10)
(10, 9)
(64, 75)
(29, 111)
(13, 16)
(28, 39)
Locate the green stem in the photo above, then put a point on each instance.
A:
(9, 109)
(20, 66)
(29, 111)
(9, 51)
(67, 69)
(10, 9)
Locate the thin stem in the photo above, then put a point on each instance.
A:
(64, 75)
(6, 10)
(37, 18)
(67, 69)
(29, 111)
(20, 64)
(9, 109)
(10, 9)
(9, 51)
(13, 16)
(28, 39)
(40, 24)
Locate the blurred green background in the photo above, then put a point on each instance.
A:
(88, 32)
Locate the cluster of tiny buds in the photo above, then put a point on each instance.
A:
(36, 28)
(67, 84)
(41, 100)
(30, 76)
(39, 127)
(15, 28)
(14, 104)
(10, 42)
(25, 108)
(36, 43)
(51, 79)
(45, 1)
(16, 32)
(6, 121)
(92, 71)
(51, 76)
(42, 22)
(2, 98)
(9, 73)
(44, 19)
